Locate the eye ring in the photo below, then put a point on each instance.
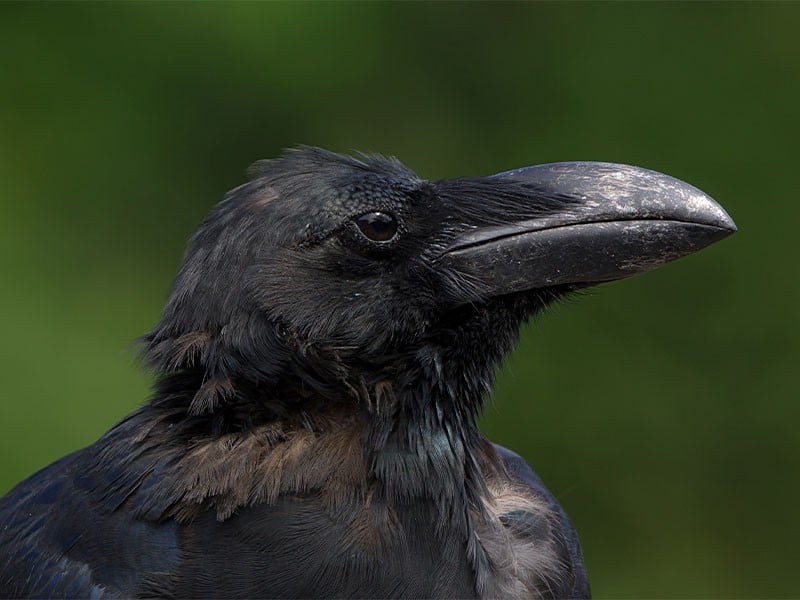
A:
(377, 226)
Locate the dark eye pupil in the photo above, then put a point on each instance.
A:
(377, 226)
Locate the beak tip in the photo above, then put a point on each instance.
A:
(708, 211)
(729, 224)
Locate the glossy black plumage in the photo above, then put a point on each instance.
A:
(81, 528)
(327, 346)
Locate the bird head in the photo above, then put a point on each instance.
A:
(325, 266)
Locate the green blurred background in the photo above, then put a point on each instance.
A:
(661, 410)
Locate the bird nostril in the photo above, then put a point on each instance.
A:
(377, 226)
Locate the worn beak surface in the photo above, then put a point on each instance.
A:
(621, 220)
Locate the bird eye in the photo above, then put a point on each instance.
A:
(377, 226)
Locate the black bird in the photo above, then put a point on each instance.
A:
(321, 362)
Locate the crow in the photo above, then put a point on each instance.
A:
(320, 365)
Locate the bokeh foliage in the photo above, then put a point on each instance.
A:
(662, 410)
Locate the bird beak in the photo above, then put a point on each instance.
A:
(618, 221)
